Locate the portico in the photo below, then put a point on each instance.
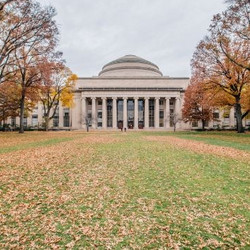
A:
(134, 112)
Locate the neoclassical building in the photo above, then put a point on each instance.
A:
(130, 93)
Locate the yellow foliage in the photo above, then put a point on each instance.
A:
(67, 93)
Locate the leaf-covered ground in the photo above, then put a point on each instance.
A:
(113, 190)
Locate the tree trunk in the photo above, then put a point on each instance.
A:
(21, 129)
(46, 123)
(203, 124)
(240, 128)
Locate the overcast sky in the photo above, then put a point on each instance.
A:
(165, 32)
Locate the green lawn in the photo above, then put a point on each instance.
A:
(118, 190)
(227, 139)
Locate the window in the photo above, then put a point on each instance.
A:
(151, 113)
(161, 118)
(25, 121)
(89, 118)
(66, 117)
(99, 115)
(120, 113)
(109, 113)
(99, 102)
(56, 121)
(216, 115)
(99, 118)
(13, 121)
(140, 114)
(226, 114)
(34, 121)
(130, 114)
(161, 102)
(194, 123)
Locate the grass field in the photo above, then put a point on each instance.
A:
(113, 190)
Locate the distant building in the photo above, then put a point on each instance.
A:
(131, 93)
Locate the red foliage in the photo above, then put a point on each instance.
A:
(197, 103)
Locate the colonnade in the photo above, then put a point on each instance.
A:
(176, 107)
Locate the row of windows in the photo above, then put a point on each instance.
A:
(226, 114)
(216, 115)
(34, 121)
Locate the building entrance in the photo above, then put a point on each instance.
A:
(120, 124)
(131, 113)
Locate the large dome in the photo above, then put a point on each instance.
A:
(130, 66)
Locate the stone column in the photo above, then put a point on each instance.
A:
(178, 111)
(178, 106)
(167, 113)
(29, 121)
(104, 112)
(18, 122)
(221, 118)
(125, 112)
(157, 112)
(84, 112)
(40, 115)
(146, 110)
(94, 118)
(114, 112)
(60, 115)
(231, 117)
(136, 112)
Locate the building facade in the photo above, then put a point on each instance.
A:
(130, 93)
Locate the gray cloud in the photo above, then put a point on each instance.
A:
(162, 31)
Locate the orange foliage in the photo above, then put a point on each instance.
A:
(197, 103)
(9, 100)
(222, 60)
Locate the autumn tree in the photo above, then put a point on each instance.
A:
(220, 74)
(3, 4)
(197, 103)
(31, 53)
(232, 30)
(9, 100)
(22, 22)
(10, 94)
(222, 63)
(57, 85)
(27, 78)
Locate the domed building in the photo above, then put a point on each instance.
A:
(130, 65)
(129, 92)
